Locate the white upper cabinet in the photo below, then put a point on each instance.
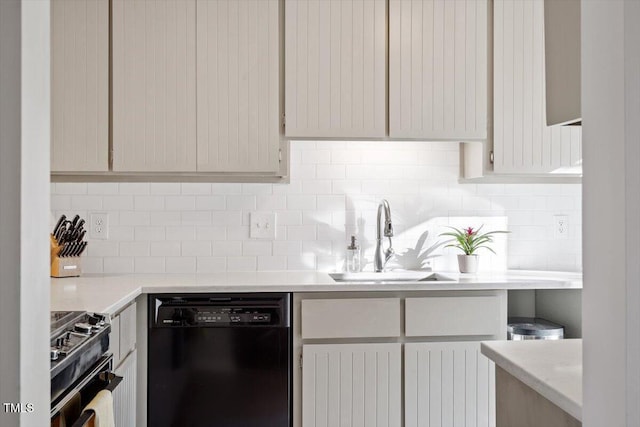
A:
(238, 81)
(438, 69)
(335, 67)
(523, 144)
(154, 85)
(79, 85)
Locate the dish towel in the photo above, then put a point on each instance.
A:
(102, 405)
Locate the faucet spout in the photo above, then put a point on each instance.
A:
(385, 229)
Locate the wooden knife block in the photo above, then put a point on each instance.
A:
(63, 267)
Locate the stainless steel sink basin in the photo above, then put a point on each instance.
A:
(390, 277)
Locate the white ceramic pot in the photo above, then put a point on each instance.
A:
(468, 263)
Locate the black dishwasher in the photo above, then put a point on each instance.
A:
(220, 360)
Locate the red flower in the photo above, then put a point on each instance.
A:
(469, 231)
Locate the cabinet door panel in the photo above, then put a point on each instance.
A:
(355, 385)
(124, 396)
(79, 85)
(448, 384)
(438, 69)
(154, 85)
(238, 68)
(335, 67)
(523, 143)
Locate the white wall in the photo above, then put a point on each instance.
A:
(24, 191)
(334, 191)
(611, 135)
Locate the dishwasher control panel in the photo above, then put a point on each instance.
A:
(213, 311)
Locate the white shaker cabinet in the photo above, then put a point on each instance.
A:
(238, 81)
(448, 384)
(154, 85)
(438, 69)
(335, 68)
(522, 143)
(79, 85)
(358, 385)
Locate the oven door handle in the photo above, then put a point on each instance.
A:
(88, 415)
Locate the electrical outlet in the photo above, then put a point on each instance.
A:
(99, 225)
(561, 227)
(263, 225)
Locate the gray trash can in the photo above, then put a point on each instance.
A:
(533, 328)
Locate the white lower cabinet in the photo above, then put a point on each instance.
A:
(448, 384)
(355, 385)
(124, 396)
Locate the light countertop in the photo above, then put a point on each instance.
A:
(553, 368)
(111, 292)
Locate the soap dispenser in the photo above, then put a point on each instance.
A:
(353, 256)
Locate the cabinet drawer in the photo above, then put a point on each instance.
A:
(350, 318)
(447, 316)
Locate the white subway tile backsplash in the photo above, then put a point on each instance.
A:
(149, 264)
(180, 233)
(209, 203)
(196, 248)
(166, 249)
(180, 203)
(272, 263)
(135, 188)
(135, 249)
(135, 218)
(183, 264)
(334, 191)
(244, 263)
(150, 234)
(149, 203)
(211, 264)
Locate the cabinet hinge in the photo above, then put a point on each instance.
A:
(300, 360)
(284, 120)
(110, 160)
(491, 157)
(280, 155)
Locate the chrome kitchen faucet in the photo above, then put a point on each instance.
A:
(380, 261)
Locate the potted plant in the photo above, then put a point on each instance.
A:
(469, 241)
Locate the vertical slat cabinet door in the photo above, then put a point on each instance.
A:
(335, 68)
(354, 385)
(438, 63)
(238, 79)
(522, 142)
(80, 86)
(124, 396)
(154, 85)
(448, 385)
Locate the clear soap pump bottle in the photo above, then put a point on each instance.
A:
(353, 256)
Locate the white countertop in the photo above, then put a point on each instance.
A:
(110, 293)
(552, 368)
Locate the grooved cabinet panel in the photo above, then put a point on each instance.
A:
(238, 80)
(354, 385)
(448, 384)
(154, 85)
(438, 69)
(335, 67)
(124, 396)
(522, 141)
(79, 85)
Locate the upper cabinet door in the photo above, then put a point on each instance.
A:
(154, 85)
(79, 85)
(238, 80)
(335, 67)
(523, 143)
(438, 69)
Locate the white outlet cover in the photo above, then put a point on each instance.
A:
(99, 225)
(560, 227)
(263, 225)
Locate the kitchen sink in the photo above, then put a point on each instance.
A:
(390, 277)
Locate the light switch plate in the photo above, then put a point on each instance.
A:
(263, 225)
